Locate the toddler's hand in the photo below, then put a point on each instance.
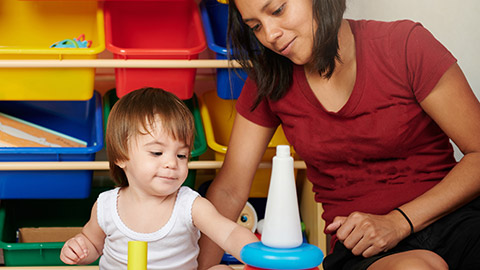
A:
(74, 250)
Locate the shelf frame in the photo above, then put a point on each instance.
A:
(119, 63)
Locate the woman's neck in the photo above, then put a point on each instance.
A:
(334, 92)
(346, 48)
(346, 42)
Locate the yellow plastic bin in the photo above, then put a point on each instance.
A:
(29, 28)
(218, 115)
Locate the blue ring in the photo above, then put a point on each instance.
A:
(306, 256)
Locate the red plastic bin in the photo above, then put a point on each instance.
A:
(152, 29)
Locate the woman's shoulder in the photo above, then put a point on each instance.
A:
(378, 29)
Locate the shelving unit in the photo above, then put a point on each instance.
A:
(308, 207)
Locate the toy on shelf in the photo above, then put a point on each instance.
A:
(137, 255)
(79, 42)
(248, 217)
(15, 132)
(281, 245)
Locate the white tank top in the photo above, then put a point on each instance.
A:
(174, 246)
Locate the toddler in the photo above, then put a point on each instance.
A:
(149, 137)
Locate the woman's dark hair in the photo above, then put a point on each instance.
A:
(273, 72)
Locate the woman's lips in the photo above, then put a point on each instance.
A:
(287, 49)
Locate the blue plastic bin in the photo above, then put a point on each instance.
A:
(78, 119)
(217, 14)
(215, 19)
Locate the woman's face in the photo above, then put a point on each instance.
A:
(284, 26)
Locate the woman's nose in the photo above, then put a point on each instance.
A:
(272, 33)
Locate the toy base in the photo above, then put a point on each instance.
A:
(248, 267)
(306, 256)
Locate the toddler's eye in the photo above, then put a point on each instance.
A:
(182, 156)
(157, 154)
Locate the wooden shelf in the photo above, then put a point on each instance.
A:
(103, 165)
(118, 63)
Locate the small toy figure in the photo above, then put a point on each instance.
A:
(79, 42)
(248, 217)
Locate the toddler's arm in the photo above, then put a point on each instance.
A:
(229, 235)
(87, 246)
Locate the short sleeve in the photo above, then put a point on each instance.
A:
(427, 61)
(101, 201)
(262, 114)
(106, 203)
(185, 201)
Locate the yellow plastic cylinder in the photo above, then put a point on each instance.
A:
(137, 255)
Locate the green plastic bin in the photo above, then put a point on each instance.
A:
(15, 214)
(200, 143)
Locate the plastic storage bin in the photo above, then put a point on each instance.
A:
(218, 115)
(167, 29)
(215, 19)
(15, 214)
(78, 119)
(200, 143)
(29, 28)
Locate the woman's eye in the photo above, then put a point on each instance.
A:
(279, 10)
(255, 27)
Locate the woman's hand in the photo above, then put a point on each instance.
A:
(368, 235)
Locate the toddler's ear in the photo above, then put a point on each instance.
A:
(120, 164)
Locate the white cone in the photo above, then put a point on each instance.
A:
(282, 228)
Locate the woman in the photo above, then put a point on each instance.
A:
(370, 106)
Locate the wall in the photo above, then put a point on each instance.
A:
(455, 23)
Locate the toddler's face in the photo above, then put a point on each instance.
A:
(158, 163)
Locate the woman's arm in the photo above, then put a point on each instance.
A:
(87, 246)
(231, 187)
(454, 107)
